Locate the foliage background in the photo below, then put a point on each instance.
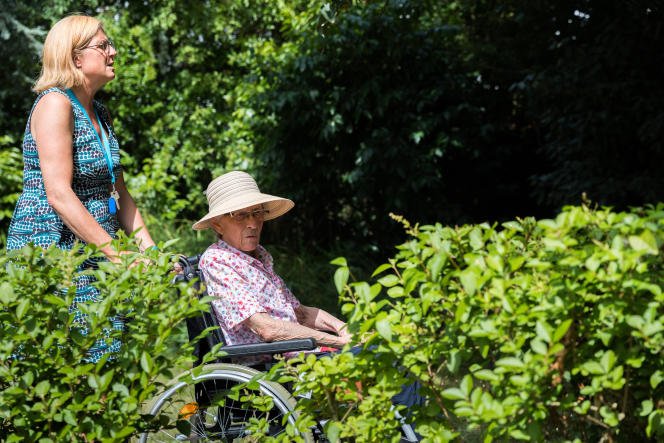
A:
(447, 112)
(458, 111)
(532, 330)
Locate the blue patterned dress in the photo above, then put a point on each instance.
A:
(35, 221)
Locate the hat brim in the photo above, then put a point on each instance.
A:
(277, 206)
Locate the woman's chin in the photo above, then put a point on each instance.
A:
(249, 245)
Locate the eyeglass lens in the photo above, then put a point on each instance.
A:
(258, 214)
(104, 45)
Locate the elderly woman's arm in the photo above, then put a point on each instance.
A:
(320, 320)
(271, 329)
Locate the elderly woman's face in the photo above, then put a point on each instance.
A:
(241, 229)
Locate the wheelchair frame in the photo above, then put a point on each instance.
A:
(199, 403)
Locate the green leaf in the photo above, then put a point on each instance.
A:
(645, 242)
(486, 374)
(609, 415)
(516, 262)
(469, 280)
(436, 263)
(341, 279)
(476, 241)
(543, 331)
(539, 346)
(22, 308)
(454, 361)
(7, 294)
(395, 292)
(184, 426)
(466, 384)
(510, 363)
(655, 423)
(592, 263)
(333, 431)
(518, 434)
(554, 244)
(495, 262)
(561, 330)
(454, 394)
(513, 225)
(54, 300)
(380, 269)
(656, 378)
(69, 417)
(93, 381)
(105, 380)
(339, 261)
(389, 280)
(146, 362)
(383, 326)
(42, 388)
(593, 367)
(583, 408)
(646, 407)
(608, 360)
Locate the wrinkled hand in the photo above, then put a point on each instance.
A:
(343, 334)
(177, 268)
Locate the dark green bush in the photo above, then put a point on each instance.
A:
(47, 392)
(533, 330)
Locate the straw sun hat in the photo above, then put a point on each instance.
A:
(237, 190)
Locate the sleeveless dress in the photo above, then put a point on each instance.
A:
(34, 220)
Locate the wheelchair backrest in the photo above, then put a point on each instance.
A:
(207, 319)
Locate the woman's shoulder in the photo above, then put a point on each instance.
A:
(53, 97)
(52, 105)
(53, 93)
(217, 253)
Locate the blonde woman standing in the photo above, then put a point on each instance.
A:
(73, 187)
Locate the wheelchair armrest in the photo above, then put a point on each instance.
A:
(276, 347)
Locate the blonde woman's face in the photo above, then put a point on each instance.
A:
(97, 59)
(244, 234)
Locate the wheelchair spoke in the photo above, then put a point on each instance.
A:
(204, 411)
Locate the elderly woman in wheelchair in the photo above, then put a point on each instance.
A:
(256, 314)
(251, 301)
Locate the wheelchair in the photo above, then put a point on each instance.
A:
(201, 404)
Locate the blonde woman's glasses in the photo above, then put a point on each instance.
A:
(104, 45)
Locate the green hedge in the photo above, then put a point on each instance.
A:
(546, 330)
(543, 330)
(47, 392)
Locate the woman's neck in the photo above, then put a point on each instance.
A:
(85, 95)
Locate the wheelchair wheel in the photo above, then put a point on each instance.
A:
(201, 410)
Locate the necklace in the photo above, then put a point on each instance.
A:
(114, 197)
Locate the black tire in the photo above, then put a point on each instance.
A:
(191, 404)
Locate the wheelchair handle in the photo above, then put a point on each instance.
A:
(188, 265)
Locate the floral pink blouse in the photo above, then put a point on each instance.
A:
(243, 286)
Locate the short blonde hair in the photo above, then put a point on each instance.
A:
(64, 41)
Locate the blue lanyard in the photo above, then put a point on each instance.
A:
(103, 142)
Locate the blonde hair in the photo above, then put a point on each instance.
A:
(64, 41)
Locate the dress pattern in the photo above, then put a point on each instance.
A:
(242, 286)
(35, 221)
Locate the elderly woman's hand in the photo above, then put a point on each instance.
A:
(343, 334)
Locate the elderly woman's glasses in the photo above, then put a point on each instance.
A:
(258, 214)
(104, 45)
